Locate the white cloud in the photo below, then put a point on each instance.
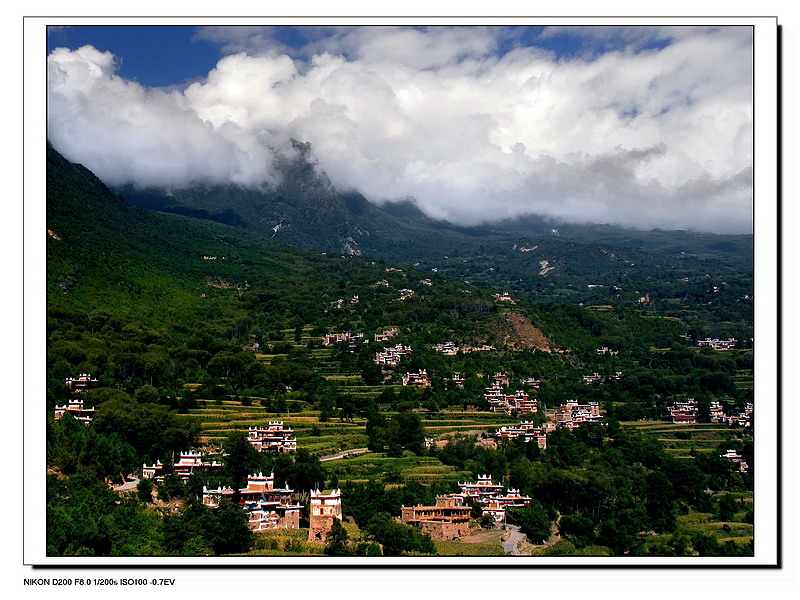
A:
(648, 137)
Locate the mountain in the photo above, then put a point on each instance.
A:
(525, 255)
(148, 269)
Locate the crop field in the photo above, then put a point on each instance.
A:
(464, 549)
(743, 380)
(680, 439)
(380, 467)
(705, 523)
(285, 542)
(218, 420)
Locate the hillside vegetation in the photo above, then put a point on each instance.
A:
(197, 330)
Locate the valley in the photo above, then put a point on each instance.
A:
(395, 373)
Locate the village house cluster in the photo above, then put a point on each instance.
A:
(386, 334)
(329, 339)
(75, 405)
(491, 497)
(418, 379)
(448, 348)
(572, 414)
(269, 507)
(737, 418)
(736, 459)
(81, 383)
(718, 344)
(449, 518)
(188, 463)
(504, 297)
(597, 378)
(275, 437)
(531, 382)
(605, 350)
(686, 411)
(392, 356)
(526, 431)
(499, 400)
(341, 302)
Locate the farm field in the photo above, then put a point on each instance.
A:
(682, 440)
(220, 420)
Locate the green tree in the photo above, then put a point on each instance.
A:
(614, 536)
(199, 530)
(396, 538)
(660, 502)
(241, 458)
(144, 490)
(726, 508)
(578, 529)
(533, 521)
(147, 393)
(336, 540)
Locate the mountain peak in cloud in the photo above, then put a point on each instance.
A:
(654, 138)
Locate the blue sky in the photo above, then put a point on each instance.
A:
(152, 55)
(637, 126)
(163, 55)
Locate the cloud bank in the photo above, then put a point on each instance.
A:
(635, 135)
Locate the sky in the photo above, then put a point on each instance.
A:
(635, 126)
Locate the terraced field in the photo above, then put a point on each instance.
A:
(380, 467)
(744, 380)
(705, 523)
(680, 439)
(220, 420)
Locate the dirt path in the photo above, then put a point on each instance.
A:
(517, 544)
(513, 540)
(554, 537)
(344, 454)
(130, 484)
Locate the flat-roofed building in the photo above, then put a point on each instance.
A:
(447, 520)
(267, 507)
(275, 437)
(326, 507)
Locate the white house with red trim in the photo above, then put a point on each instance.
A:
(76, 409)
(274, 437)
(267, 507)
(684, 412)
(736, 459)
(81, 383)
(572, 414)
(419, 379)
(526, 432)
(393, 355)
(326, 507)
(491, 497)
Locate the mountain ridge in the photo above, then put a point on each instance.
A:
(305, 210)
